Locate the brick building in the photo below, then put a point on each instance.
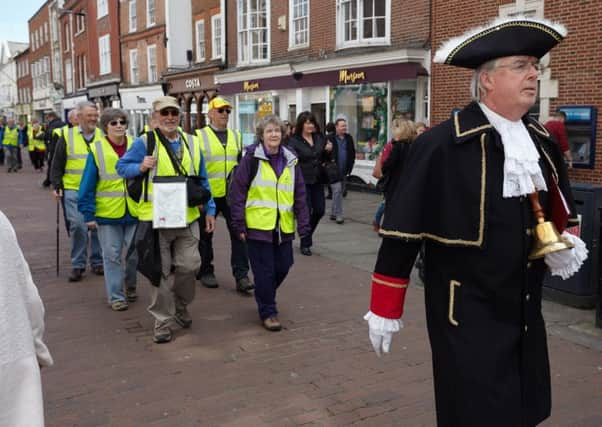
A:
(570, 78)
(193, 84)
(24, 87)
(365, 60)
(143, 55)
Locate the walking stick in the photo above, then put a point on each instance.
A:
(58, 208)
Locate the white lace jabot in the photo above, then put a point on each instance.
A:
(522, 174)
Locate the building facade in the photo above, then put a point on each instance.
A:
(8, 76)
(24, 87)
(143, 55)
(365, 60)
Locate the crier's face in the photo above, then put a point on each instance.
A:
(512, 85)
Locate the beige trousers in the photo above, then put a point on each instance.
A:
(180, 261)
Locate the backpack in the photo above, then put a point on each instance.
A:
(230, 177)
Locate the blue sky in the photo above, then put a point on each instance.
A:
(14, 16)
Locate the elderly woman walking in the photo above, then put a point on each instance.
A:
(266, 198)
(105, 205)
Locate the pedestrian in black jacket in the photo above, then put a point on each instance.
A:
(51, 138)
(343, 154)
(313, 151)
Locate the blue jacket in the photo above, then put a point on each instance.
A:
(86, 197)
(129, 167)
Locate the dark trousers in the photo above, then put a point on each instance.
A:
(19, 158)
(1, 157)
(316, 205)
(270, 263)
(239, 260)
(37, 159)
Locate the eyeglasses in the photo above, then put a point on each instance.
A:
(118, 122)
(224, 110)
(169, 112)
(522, 66)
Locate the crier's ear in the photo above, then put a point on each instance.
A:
(486, 80)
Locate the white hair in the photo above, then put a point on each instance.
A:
(476, 90)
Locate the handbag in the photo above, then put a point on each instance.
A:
(331, 171)
(134, 185)
(146, 242)
(197, 195)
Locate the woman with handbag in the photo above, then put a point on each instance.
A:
(312, 151)
(267, 197)
(105, 205)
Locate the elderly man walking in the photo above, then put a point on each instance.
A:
(10, 141)
(180, 257)
(222, 148)
(68, 162)
(479, 184)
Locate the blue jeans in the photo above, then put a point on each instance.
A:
(114, 239)
(78, 231)
(316, 206)
(380, 211)
(270, 263)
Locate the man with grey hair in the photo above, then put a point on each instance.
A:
(55, 125)
(10, 141)
(68, 165)
(480, 186)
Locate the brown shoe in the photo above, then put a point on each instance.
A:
(98, 270)
(272, 324)
(162, 333)
(76, 275)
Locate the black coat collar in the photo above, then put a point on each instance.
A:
(470, 121)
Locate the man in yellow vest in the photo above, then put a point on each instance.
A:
(180, 258)
(222, 148)
(35, 144)
(53, 132)
(10, 141)
(68, 164)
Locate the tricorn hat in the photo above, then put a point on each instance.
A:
(518, 35)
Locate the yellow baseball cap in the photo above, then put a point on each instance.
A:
(218, 102)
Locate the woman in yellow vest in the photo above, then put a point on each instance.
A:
(36, 146)
(266, 199)
(105, 205)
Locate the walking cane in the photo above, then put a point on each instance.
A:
(58, 208)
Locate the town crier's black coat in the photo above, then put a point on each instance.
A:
(483, 295)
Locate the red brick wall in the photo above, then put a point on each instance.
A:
(36, 23)
(204, 10)
(575, 63)
(80, 41)
(108, 24)
(23, 80)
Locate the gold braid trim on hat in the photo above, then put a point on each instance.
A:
(555, 35)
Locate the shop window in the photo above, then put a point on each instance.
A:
(363, 22)
(253, 31)
(292, 114)
(252, 107)
(299, 23)
(364, 107)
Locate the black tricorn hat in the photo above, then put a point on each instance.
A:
(502, 37)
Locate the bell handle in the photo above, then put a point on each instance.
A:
(536, 207)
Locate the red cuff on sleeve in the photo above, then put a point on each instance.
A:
(388, 295)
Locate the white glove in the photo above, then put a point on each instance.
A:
(568, 262)
(381, 331)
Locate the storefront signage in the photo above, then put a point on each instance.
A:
(192, 83)
(345, 76)
(250, 86)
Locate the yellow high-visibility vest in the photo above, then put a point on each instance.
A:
(270, 197)
(34, 143)
(191, 162)
(219, 160)
(77, 152)
(11, 136)
(112, 200)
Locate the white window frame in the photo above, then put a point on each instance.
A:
(132, 17)
(341, 43)
(200, 39)
(134, 67)
(104, 67)
(80, 24)
(102, 8)
(152, 47)
(68, 76)
(247, 47)
(149, 22)
(45, 32)
(216, 43)
(291, 26)
(67, 32)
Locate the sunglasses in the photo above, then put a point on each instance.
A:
(170, 112)
(118, 122)
(224, 110)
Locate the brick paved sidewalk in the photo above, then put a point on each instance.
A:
(227, 370)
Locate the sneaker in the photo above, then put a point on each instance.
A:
(183, 318)
(306, 251)
(340, 220)
(162, 333)
(272, 324)
(98, 270)
(76, 275)
(209, 280)
(131, 295)
(119, 305)
(244, 285)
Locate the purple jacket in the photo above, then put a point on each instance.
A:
(237, 197)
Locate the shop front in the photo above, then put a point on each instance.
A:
(368, 97)
(137, 102)
(105, 94)
(69, 103)
(193, 88)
